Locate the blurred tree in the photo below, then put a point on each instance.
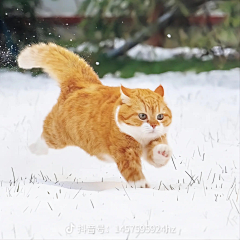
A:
(107, 19)
(110, 19)
(207, 35)
(229, 32)
(158, 38)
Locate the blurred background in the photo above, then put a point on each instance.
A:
(123, 37)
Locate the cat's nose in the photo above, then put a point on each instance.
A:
(153, 125)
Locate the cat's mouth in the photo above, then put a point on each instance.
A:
(153, 131)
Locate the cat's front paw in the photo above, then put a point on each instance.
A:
(161, 154)
(139, 184)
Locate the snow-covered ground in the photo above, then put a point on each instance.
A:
(150, 53)
(68, 194)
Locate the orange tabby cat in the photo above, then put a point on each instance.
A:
(112, 123)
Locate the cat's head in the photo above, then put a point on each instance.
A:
(143, 114)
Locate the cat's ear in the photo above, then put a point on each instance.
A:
(125, 95)
(160, 90)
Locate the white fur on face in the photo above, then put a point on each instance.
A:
(144, 133)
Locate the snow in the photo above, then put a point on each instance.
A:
(149, 53)
(68, 194)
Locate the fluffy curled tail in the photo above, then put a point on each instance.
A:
(61, 64)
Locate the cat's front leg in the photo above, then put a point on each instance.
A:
(161, 154)
(158, 152)
(129, 164)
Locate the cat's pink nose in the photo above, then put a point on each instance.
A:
(153, 125)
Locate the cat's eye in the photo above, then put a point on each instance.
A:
(142, 116)
(160, 116)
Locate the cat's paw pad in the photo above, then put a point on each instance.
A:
(39, 148)
(161, 154)
(139, 184)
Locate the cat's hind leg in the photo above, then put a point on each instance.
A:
(40, 147)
